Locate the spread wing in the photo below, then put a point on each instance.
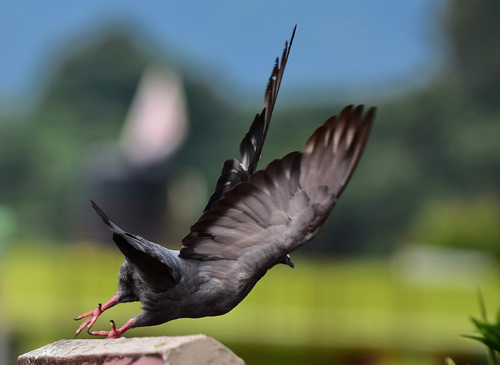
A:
(283, 206)
(233, 172)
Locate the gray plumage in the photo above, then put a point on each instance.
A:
(252, 222)
(234, 172)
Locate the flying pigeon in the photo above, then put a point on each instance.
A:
(253, 221)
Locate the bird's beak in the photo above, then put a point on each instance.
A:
(289, 262)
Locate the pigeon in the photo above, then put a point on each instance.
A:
(252, 222)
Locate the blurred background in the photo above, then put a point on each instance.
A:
(136, 105)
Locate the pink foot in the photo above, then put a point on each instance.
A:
(95, 314)
(114, 333)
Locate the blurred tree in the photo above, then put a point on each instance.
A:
(474, 32)
(85, 103)
(470, 223)
(433, 145)
(430, 147)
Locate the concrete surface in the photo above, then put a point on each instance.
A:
(181, 350)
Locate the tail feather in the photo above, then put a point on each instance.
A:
(105, 218)
(159, 269)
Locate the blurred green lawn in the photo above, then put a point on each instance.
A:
(364, 304)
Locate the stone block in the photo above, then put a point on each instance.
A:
(181, 350)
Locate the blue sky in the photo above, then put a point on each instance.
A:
(340, 45)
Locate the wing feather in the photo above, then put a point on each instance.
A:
(234, 172)
(283, 206)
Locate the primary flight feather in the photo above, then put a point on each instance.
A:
(253, 221)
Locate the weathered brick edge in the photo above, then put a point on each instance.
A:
(181, 350)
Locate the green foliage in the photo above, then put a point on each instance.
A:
(490, 332)
(470, 223)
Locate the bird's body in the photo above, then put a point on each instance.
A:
(204, 287)
(200, 291)
(252, 222)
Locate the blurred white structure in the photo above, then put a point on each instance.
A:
(431, 266)
(157, 122)
(130, 178)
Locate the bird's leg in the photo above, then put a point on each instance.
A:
(93, 315)
(114, 333)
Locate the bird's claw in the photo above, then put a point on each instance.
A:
(89, 322)
(114, 333)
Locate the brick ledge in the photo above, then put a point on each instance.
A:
(180, 350)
